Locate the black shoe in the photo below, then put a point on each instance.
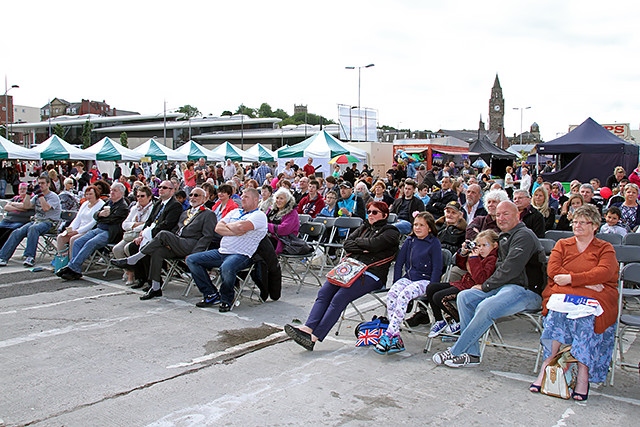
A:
(224, 307)
(209, 301)
(71, 275)
(138, 284)
(417, 319)
(62, 271)
(300, 337)
(151, 294)
(120, 263)
(146, 288)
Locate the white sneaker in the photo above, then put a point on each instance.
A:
(441, 357)
(3, 262)
(29, 262)
(437, 328)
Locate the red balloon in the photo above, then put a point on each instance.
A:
(606, 192)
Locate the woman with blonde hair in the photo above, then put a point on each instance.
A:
(540, 201)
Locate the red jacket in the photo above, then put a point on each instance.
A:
(478, 269)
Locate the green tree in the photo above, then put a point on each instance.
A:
(281, 114)
(124, 140)
(311, 119)
(189, 111)
(86, 134)
(226, 113)
(58, 130)
(247, 111)
(265, 110)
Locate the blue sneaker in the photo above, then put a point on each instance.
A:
(453, 328)
(383, 345)
(209, 301)
(437, 328)
(396, 345)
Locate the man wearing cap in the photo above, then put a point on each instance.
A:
(451, 227)
(349, 204)
(405, 207)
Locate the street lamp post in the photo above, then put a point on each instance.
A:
(521, 116)
(6, 106)
(359, 68)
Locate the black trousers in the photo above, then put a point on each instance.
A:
(437, 295)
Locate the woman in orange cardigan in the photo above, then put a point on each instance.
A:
(581, 266)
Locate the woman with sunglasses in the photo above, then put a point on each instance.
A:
(421, 259)
(373, 241)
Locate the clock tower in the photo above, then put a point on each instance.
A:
(496, 107)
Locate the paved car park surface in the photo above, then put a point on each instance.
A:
(89, 352)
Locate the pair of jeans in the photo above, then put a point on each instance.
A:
(229, 265)
(478, 310)
(3, 188)
(332, 300)
(86, 245)
(32, 231)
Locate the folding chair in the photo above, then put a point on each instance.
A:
(240, 286)
(630, 274)
(101, 256)
(304, 218)
(347, 223)
(548, 245)
(393, 217)
(631, 239)
(177, 269)
(312, 233)
(47, 243)
(557, 234)
(614, 239)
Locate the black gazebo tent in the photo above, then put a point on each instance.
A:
(493, 155)
(589, 151)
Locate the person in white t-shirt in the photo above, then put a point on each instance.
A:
(241, 231)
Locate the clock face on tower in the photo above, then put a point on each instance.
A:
(496, 107)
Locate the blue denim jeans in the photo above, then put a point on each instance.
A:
(229, 265)
(32, 231)
(84, 246)
(478, 310)
(3, 188)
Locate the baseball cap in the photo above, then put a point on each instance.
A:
(454, 205)
(346, 184)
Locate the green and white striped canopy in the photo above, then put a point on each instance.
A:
(195, 151)
(231, 152)
(263, 153)
(320, 145)
(156, 151)
(108, 150)
(9, 150)
(56, 148)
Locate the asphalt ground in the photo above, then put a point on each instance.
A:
(90, 353)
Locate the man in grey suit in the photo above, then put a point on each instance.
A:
(194, 233)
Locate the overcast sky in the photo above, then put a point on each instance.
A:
(435, 61)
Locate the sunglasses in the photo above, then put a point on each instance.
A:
(141, 195)
(373, 212)
(164, 187)
(195, 195)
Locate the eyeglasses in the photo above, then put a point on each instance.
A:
(164, 187)
(373, 212)
(195, 195)
(141, 195)
(582, 223)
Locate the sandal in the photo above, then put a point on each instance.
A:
(581, 397)
(534, 388)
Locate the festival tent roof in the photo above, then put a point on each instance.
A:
(320, 145)
(55, 148)
(263, 153)
(231, 152)
(9, 150)
(486, 149)
(157, 151)
(589, 151)
(195, 151)
(108, 150)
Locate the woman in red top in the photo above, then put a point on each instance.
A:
(189, 177)
(582, 266)
(225, 204)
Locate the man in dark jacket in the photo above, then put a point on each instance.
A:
(193, 233)
(108, 229)
(440, 198)
(405, 206)
(529, 215)
(514, 286)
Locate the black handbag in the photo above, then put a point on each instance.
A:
(294, 245)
